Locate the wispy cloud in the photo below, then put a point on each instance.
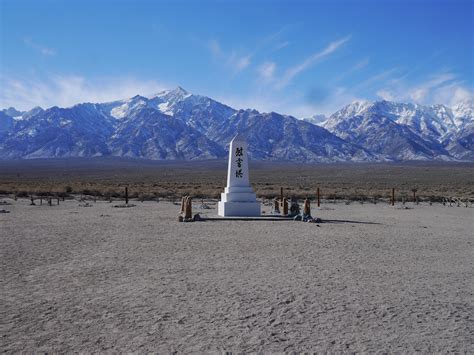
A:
(438, 88)
(386, 95)
(426, 61)
(67, 90)
(237, 61)
(276, 35)
(266, 71)
(281, 45)
(452, 94)
(292, 72)
(376, 80)
(418, 93)
(274, 41)
(46, 51)
(215, 48)
(361, 64)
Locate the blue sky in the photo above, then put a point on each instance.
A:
(293, 57)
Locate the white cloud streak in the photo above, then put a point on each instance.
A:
(46, 51)
(419, 93)
(281, 45)
(234, 60)
(452, 94)
(440, 88)
(361, 64)
(386, 95)
(376, 79)
(292, 72)
(266, 71)
(239, 62)
(68, 90)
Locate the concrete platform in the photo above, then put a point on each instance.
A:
(256, 218)
(239, 209)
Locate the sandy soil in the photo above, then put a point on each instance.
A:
(372, 278)
(173, 179)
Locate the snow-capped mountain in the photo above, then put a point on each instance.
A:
(316, 119)
(195, 109)
(176, 124)
(21, 115)
(149, 133)
(463, 113)
(460, 143)
(78, 131)
(199, 112)
(278, 137)
(404, 131)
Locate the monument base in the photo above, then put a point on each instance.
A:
(239, 209)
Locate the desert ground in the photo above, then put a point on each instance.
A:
(206, 179)
(369, 278)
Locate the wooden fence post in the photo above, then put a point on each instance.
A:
(318, 196)
(284, 207)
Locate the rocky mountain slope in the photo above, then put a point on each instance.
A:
(400, 131)
(175, 124)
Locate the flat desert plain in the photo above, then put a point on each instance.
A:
(207, 179)
(369, 278)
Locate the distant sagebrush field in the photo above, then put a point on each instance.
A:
(206, 179)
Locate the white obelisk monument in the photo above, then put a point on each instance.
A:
(238, 198)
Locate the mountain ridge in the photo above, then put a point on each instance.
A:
(178, 125)
(380, 126)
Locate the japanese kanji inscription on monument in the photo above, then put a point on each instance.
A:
(239, 160)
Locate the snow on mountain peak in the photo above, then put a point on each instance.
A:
(126, 106)
(465, 109)
(357, 107)
(181, 91)
(175, 94)
(147, 127)
(316, 119)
